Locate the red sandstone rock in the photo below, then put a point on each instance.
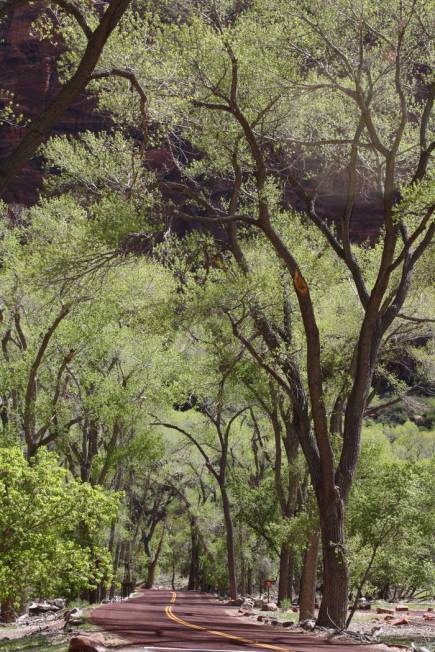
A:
(402, 607)
(86, 644)
(401, 621)
(381, 610)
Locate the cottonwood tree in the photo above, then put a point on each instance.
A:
(247, 90)
(219, 417)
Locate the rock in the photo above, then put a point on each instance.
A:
(22, 620)
(258, 603)
(86, 644)
(309, 625)
(288, 623)
(401, 621)
(249, 613)
(389, 617)
(260, 618)
(236, 603)
(402, 607)
(72, 614)
(429, 616)
(430, 608)
(269, 606)
(381, 610)
(249, 603)
(58, 602)
(294, 609)
(41, 608)
(274, 622)
(74, 617)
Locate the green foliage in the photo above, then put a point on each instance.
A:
(42, 517)
(390, 519)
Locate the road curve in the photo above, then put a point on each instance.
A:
(196, 621)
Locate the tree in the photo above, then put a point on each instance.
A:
(249, 125)
(389, 523)
(42, 511)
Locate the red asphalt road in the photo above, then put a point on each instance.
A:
(196, 621)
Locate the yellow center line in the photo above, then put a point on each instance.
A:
(170, 614)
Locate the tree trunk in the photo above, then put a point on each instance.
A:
(230, 544)
(284, 573)
(151, 574)
(7, 611)
(193, 582)
(115, 570)
(291, 573)
(249, 581)
(333, 608)
(307, 600)
(152, 564)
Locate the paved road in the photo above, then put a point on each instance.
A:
(195, 621)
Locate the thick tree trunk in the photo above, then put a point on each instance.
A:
(333, 608)
(284, 573)
(230, 545)
(7, 611)
(151, 574)
(307, 600)
(152, 564)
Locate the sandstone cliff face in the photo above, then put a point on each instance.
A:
(28, 69)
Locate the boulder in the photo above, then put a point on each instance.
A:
(274, 622)
(309, 624)
(58, 602)
(73, 615)
(288, 623)
(381, 610)
(402, 607)
(389, 617)
(258, 603)
(260, 618)
(86, 644)
(41, 608)
(248, 603)
(429, 616)
(269, 606)
(236, 603)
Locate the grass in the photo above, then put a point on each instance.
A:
(32, 644)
